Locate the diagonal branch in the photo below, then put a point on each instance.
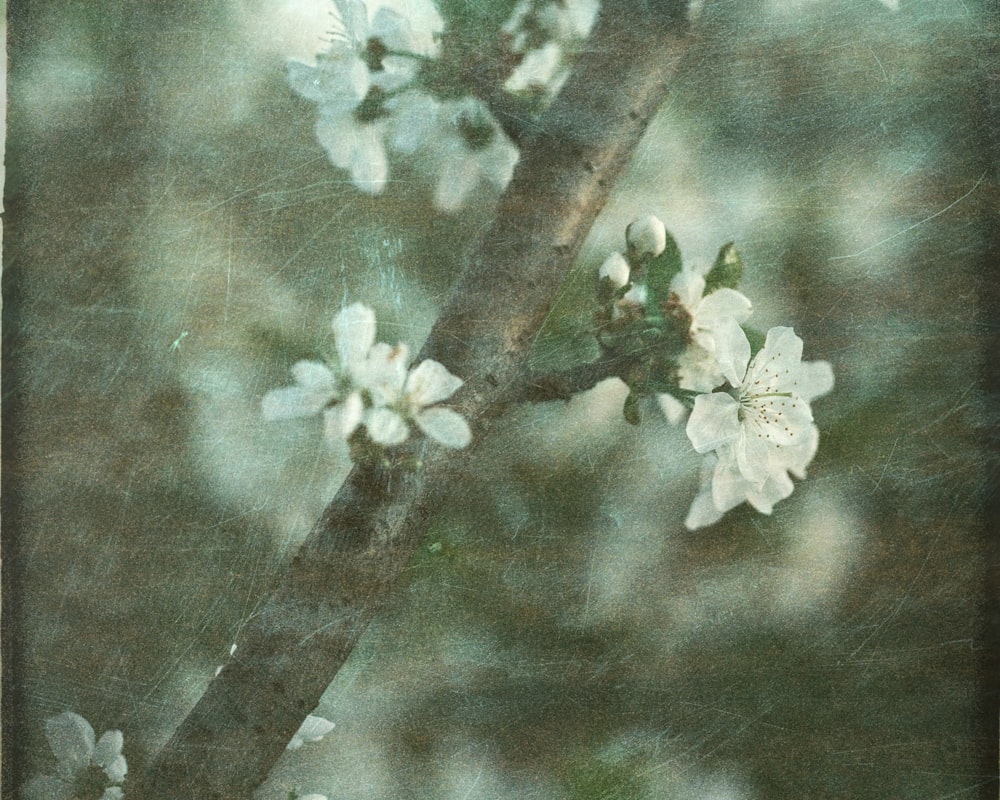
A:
(294, 646)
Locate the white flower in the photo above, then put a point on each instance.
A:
(541, 69)
(312, 729)
(401, 398)
(84, 766)
(646, 237)
(615, 269)
(761, 430)
(698, 370)
(350, 83)
(338, 394)
(470, 150)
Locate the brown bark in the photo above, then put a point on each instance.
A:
(291, 650)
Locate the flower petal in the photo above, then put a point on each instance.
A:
(459, 176)
(354, 332)
(720, 304)
(314, 376)
(341, 420)
(814, 379)
(314, 728)
(732, 351)
(386, 427)
(672, 408)
(72, 741)
(290, 402)
(354, 15)
(113, 793)
(384, 373)
(430, 382)
(714, 421)
(369, 164)
(445, 426)
(108, 756)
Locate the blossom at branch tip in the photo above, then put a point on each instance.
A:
(312, 729)
(337, 393)
(762, 429)
(86, 767)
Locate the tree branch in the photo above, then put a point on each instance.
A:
(293, 647)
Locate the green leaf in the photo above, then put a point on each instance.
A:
(661, 271)
(727, 271)
(632, 409)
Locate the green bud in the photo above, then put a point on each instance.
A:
(726, 272)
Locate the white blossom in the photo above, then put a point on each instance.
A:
(312, 729)
(402, 398)
(759, 431)
(673, 409)
(84, 765)
(351, 84)
(646, 237)
(697, 368)
(370, 385)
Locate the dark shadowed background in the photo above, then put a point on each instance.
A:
(175, 239)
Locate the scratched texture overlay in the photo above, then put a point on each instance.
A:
(175, 239)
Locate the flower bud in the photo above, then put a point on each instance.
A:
(614, 269)
(646, 237)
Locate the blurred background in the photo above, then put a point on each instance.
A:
(175, 240)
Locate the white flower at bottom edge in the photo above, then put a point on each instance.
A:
(312, 729)
(317, 386)
(84, 766)
(401, 398)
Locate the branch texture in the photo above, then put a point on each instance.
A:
(294, 646)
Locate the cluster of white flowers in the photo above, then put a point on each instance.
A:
(750, 417)
(370, 101)
(372, 385)
(87, 768)
(543, 33)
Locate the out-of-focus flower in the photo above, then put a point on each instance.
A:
(86, 768)
(351, 84)
(545, 33)
(312, 729)
(760, 431)
(402, 398)
(470, 149)
(336, 393)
